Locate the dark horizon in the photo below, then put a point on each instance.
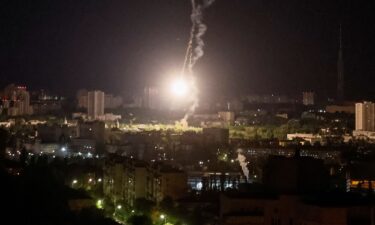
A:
(251, 47)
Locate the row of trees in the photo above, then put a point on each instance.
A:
(168, 212)
(280, 130)
(273, 131)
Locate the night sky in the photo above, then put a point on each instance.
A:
(251, 45)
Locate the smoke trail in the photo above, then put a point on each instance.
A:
(190, 43)
(194, 99)
(242, 160)
(198, 29)
(197, 19)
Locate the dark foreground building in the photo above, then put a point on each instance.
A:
(268, 209)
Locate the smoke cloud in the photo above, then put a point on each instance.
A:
(243, 163)
(197, 19)
(198, 29)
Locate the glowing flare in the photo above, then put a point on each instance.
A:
(180, 87)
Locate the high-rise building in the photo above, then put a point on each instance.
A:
(24, 102)
(151, 98)
(227, 116)
(128, 179)
(82, 98)
(365, 116)
(17, 100)
(95, 104)
(308, 98)
(112, 102)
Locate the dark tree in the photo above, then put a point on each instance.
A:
(4, 135)
(143, 205)
(23, 157)
(140, 220)
(167, 204)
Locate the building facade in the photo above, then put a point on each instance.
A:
(216, 135)
(227, 116)
(308, 98)
(82, 98)
(126, 180)
(16, 100)
(95, 104)
(112, 102)
(267, 209)
(151, 98)
(365, 116)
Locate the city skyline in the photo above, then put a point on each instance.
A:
(189, 112)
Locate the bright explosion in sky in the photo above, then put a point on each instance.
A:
(179, 87)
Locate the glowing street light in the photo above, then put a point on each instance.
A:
(99, 204)
(119, 207)
(163, 217)
(74, 181)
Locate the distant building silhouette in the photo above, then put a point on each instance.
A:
(295, 175)
(82, 98)
(365, 116)
(95, 104)
(151, 98)
(308, 98)
(16, 99)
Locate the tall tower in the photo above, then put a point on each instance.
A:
(340, 70)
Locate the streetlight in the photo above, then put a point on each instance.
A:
(99, 204)
(163, 217)
(116, 211)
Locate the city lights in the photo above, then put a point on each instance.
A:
(164, 218)
(99, 204)
(137, 115)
